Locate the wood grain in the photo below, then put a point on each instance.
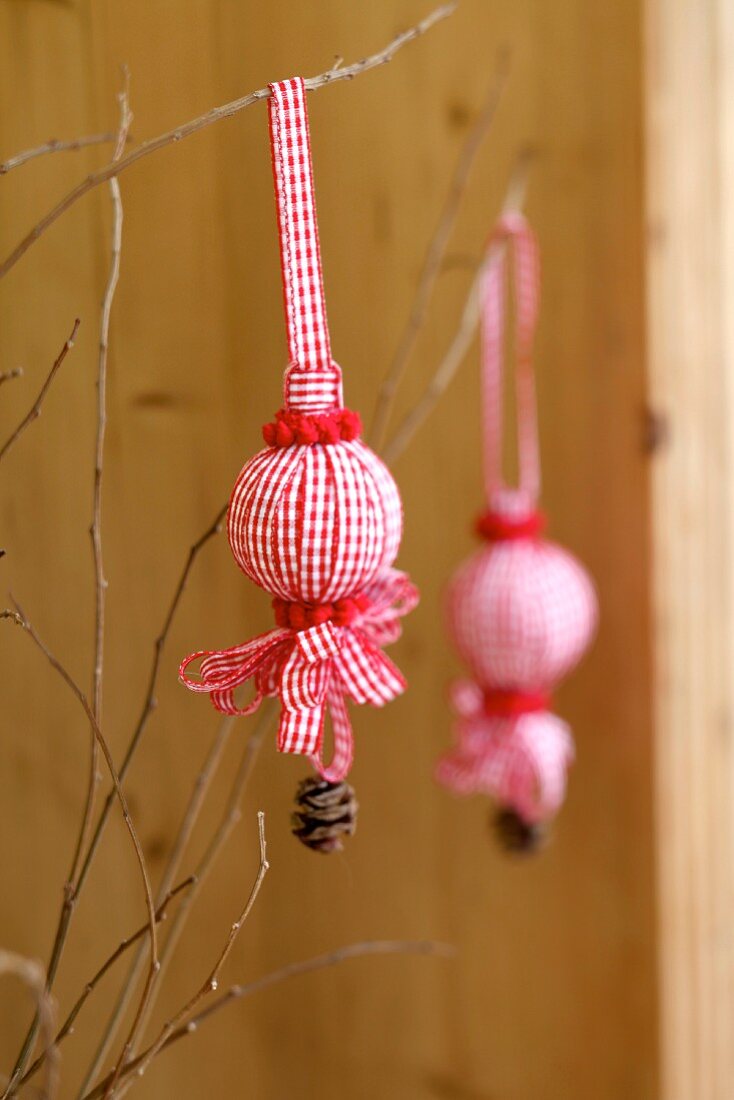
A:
(690, 140)
(553, 992)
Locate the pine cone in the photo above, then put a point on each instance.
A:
(516, 836)
(325, 813)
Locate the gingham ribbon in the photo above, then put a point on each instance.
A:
(313, 381)
(512, 233)
(520, 764)
(313, 671)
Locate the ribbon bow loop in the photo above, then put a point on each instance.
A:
(312, 670)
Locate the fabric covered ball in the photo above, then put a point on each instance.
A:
(314, 522)
(521, 611)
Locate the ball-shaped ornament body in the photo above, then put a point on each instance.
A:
(315, 523)
(521, 612)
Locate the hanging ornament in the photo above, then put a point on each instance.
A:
(522, 610)
(315, 518)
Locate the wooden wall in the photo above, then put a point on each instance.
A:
(553, 991)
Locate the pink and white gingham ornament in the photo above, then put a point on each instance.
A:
(521, 610)
(315, 518)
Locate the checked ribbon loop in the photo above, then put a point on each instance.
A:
(314, 670)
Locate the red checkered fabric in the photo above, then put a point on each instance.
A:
(513, 232)
(520, 761)
(315, 523)
(315, 518)
(520, 613)
(313, 382)
(521, 610)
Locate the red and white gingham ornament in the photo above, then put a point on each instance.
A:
(521, 610)
(315, 518)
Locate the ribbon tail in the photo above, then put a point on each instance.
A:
(301, 731)
(460, 768)
(343, 754)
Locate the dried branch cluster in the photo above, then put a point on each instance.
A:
(134, 1057)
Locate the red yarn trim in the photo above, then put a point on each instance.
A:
(498, 527)
(291, 428)
(510, 704)
(301, 616)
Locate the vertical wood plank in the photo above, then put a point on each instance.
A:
(690, 142)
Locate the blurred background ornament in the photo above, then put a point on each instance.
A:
(521, 610)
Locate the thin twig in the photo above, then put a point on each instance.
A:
(68, 1025)
(211, 983)
(333, 75)
(71, 894)
(8, 375)
(452, 360)
(284, 973)
(33, 975)
(190, 817)
(100, 581)
(436, 251)
(55, 146)
(35, 410)
(19, 617)
(150, 701)
(71, 888)
(231, 816)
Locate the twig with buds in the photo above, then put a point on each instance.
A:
(452, 360)
(216, 114)
(17, 615)
(284, 973)
(436, 251)
(32, 974)
(55, 146)
(67, 1027)
(211, 983)
(35, 410)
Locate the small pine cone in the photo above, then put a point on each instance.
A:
(516, 836)
(325, 813)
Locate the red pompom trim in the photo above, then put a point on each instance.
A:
(499, 527)
(509, 704)
(301, 429)
(302, 616)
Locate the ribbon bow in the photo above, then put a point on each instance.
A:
(520, 759)
(314, 669)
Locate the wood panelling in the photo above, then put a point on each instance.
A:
(552, 993)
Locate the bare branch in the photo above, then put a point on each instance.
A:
(230, 818)
(292, 970)
(452, 360)
(150, 701)
(35, 410)
(100, 587)
(67, 1027)
(55, 146)
(436, 252)
(211, 983)
(19, 617)
(191, 814)
(100, 582)
(227, 110)
(33, 975)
